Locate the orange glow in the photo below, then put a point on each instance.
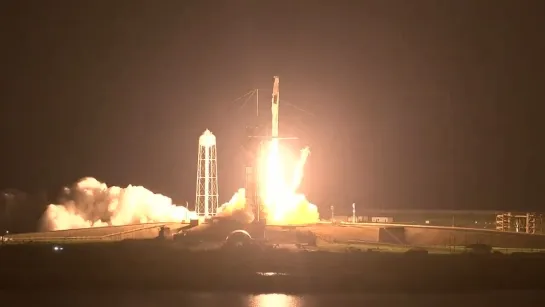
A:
(283, 204)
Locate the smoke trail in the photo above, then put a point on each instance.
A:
(298, 173)
(91, 203)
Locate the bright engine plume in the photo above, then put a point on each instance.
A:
(91, 203)
(236, 208)
(283, 204)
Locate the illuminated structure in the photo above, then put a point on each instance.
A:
(274, 107)
(508, 221)
(273, 198)
(254, 146)
(257, 148)
(206, 202)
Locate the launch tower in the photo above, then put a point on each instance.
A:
(257, 146)
(206, 202)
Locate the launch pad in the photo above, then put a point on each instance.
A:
(329, 237)
(282, 229)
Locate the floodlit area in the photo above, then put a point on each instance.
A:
(276, 177)
(91, 203)
(283, 203)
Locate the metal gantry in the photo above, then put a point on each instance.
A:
(507, 221)
(503, 221)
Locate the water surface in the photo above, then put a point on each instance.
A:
(205, 299)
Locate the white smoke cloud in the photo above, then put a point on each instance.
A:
(236, 208)
(91, 203)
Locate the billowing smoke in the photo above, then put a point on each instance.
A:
(90, 203)
(236, 208)
(294, 209)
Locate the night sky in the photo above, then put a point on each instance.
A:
(405, 104)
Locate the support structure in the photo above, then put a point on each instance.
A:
(503, 221)
(530, 223)
(250, 186)
(257, 143)
(508, 221)
(206, 202)
(251, 183)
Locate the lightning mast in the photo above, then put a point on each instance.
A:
(206, 203)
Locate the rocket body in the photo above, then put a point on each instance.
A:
(274, 107)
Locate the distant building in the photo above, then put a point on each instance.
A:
(348, 219)
(382, 219)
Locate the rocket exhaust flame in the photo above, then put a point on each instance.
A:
(91, 203)
(283, 205)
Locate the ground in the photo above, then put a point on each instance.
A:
(347, 237)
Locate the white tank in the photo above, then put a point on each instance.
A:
(207, 139)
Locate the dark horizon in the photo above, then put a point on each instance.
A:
(427, 105)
